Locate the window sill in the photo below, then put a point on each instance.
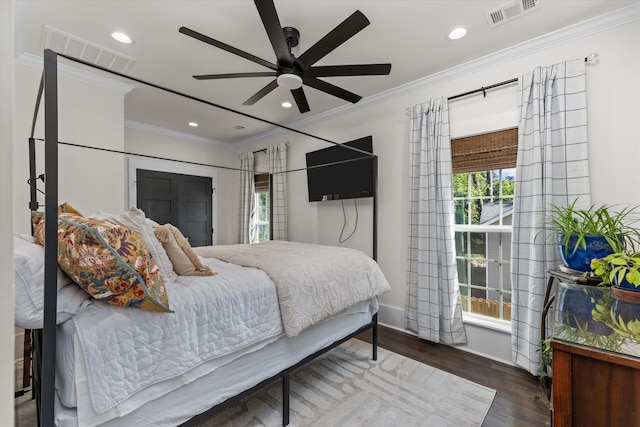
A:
(487, 322)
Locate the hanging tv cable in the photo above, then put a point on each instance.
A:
(344, 215)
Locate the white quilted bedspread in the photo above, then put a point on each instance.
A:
(314, 282)
(127, 350)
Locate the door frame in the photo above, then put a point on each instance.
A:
(135, 163)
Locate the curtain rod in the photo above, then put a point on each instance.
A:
(483, 89)
(590, 59)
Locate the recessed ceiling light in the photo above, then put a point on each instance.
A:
(457, 33)
(287, 104)
(121, 37)
(193, 124)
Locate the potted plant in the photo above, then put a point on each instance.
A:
(622, 269)
(585, 234)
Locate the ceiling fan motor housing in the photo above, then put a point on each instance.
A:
(291, 35)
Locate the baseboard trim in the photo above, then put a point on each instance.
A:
(393, 317)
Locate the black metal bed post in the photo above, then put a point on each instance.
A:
(374, 341)
(33, 191)
(375, 208)
(285, 398)
(48, 356)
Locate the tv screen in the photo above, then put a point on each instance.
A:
(347, 180)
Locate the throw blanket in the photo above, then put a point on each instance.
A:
(313, 282)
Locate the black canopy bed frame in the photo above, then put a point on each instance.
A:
(44, 340)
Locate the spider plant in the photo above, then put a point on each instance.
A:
(575, 225)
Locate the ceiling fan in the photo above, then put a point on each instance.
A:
(292, 72)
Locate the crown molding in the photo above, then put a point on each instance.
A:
(594, 25)
(74, 73)
(173, 133)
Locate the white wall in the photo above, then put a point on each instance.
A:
(613, 86)
(88, 115)
(6, 214)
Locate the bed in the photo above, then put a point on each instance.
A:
(227, 332)
(218, 338)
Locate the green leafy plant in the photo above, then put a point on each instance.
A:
(616, 267)
(545, 365)
(615, 226)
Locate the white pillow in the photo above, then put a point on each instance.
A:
(136, 220)
(28, 266)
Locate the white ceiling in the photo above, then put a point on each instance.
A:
(409, 34)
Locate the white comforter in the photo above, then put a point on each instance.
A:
(314, 282)
(128, 350)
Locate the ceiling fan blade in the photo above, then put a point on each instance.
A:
(261, 93)
(349, 70)
(196, 35)
(331, 89)
(233, 75)
(301, 100)
(340, 34)
(269, 16)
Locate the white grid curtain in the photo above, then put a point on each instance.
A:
(433, 307)
(552, 168)
(247, 188)
(277, 169)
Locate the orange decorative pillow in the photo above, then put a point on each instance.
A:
(108, 261)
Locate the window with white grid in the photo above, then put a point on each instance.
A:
(483, 207)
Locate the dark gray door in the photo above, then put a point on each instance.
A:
(182, 200)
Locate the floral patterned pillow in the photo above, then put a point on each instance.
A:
(110, 262)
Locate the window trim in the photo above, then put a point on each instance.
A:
(487, 322)
(473, 228)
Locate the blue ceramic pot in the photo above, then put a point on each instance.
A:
(576, 306)
(626, 310)
(580, 260)
(625, 284)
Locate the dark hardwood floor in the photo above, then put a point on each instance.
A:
(513, 405)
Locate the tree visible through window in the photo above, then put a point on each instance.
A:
(483, 207)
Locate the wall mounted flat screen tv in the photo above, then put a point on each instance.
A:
(346, 180)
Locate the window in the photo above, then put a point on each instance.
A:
(260, 218)
(484, 184)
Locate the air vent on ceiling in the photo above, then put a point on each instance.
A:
(511, 10)
(67, 44)
(239, 127)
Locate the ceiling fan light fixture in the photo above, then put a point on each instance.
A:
(289, 81)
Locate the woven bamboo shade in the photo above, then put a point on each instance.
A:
(261, 182)
(495, 150)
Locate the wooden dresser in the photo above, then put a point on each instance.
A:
(593, 387)
(596, 374)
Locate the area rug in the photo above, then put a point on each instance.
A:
(344, 387)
